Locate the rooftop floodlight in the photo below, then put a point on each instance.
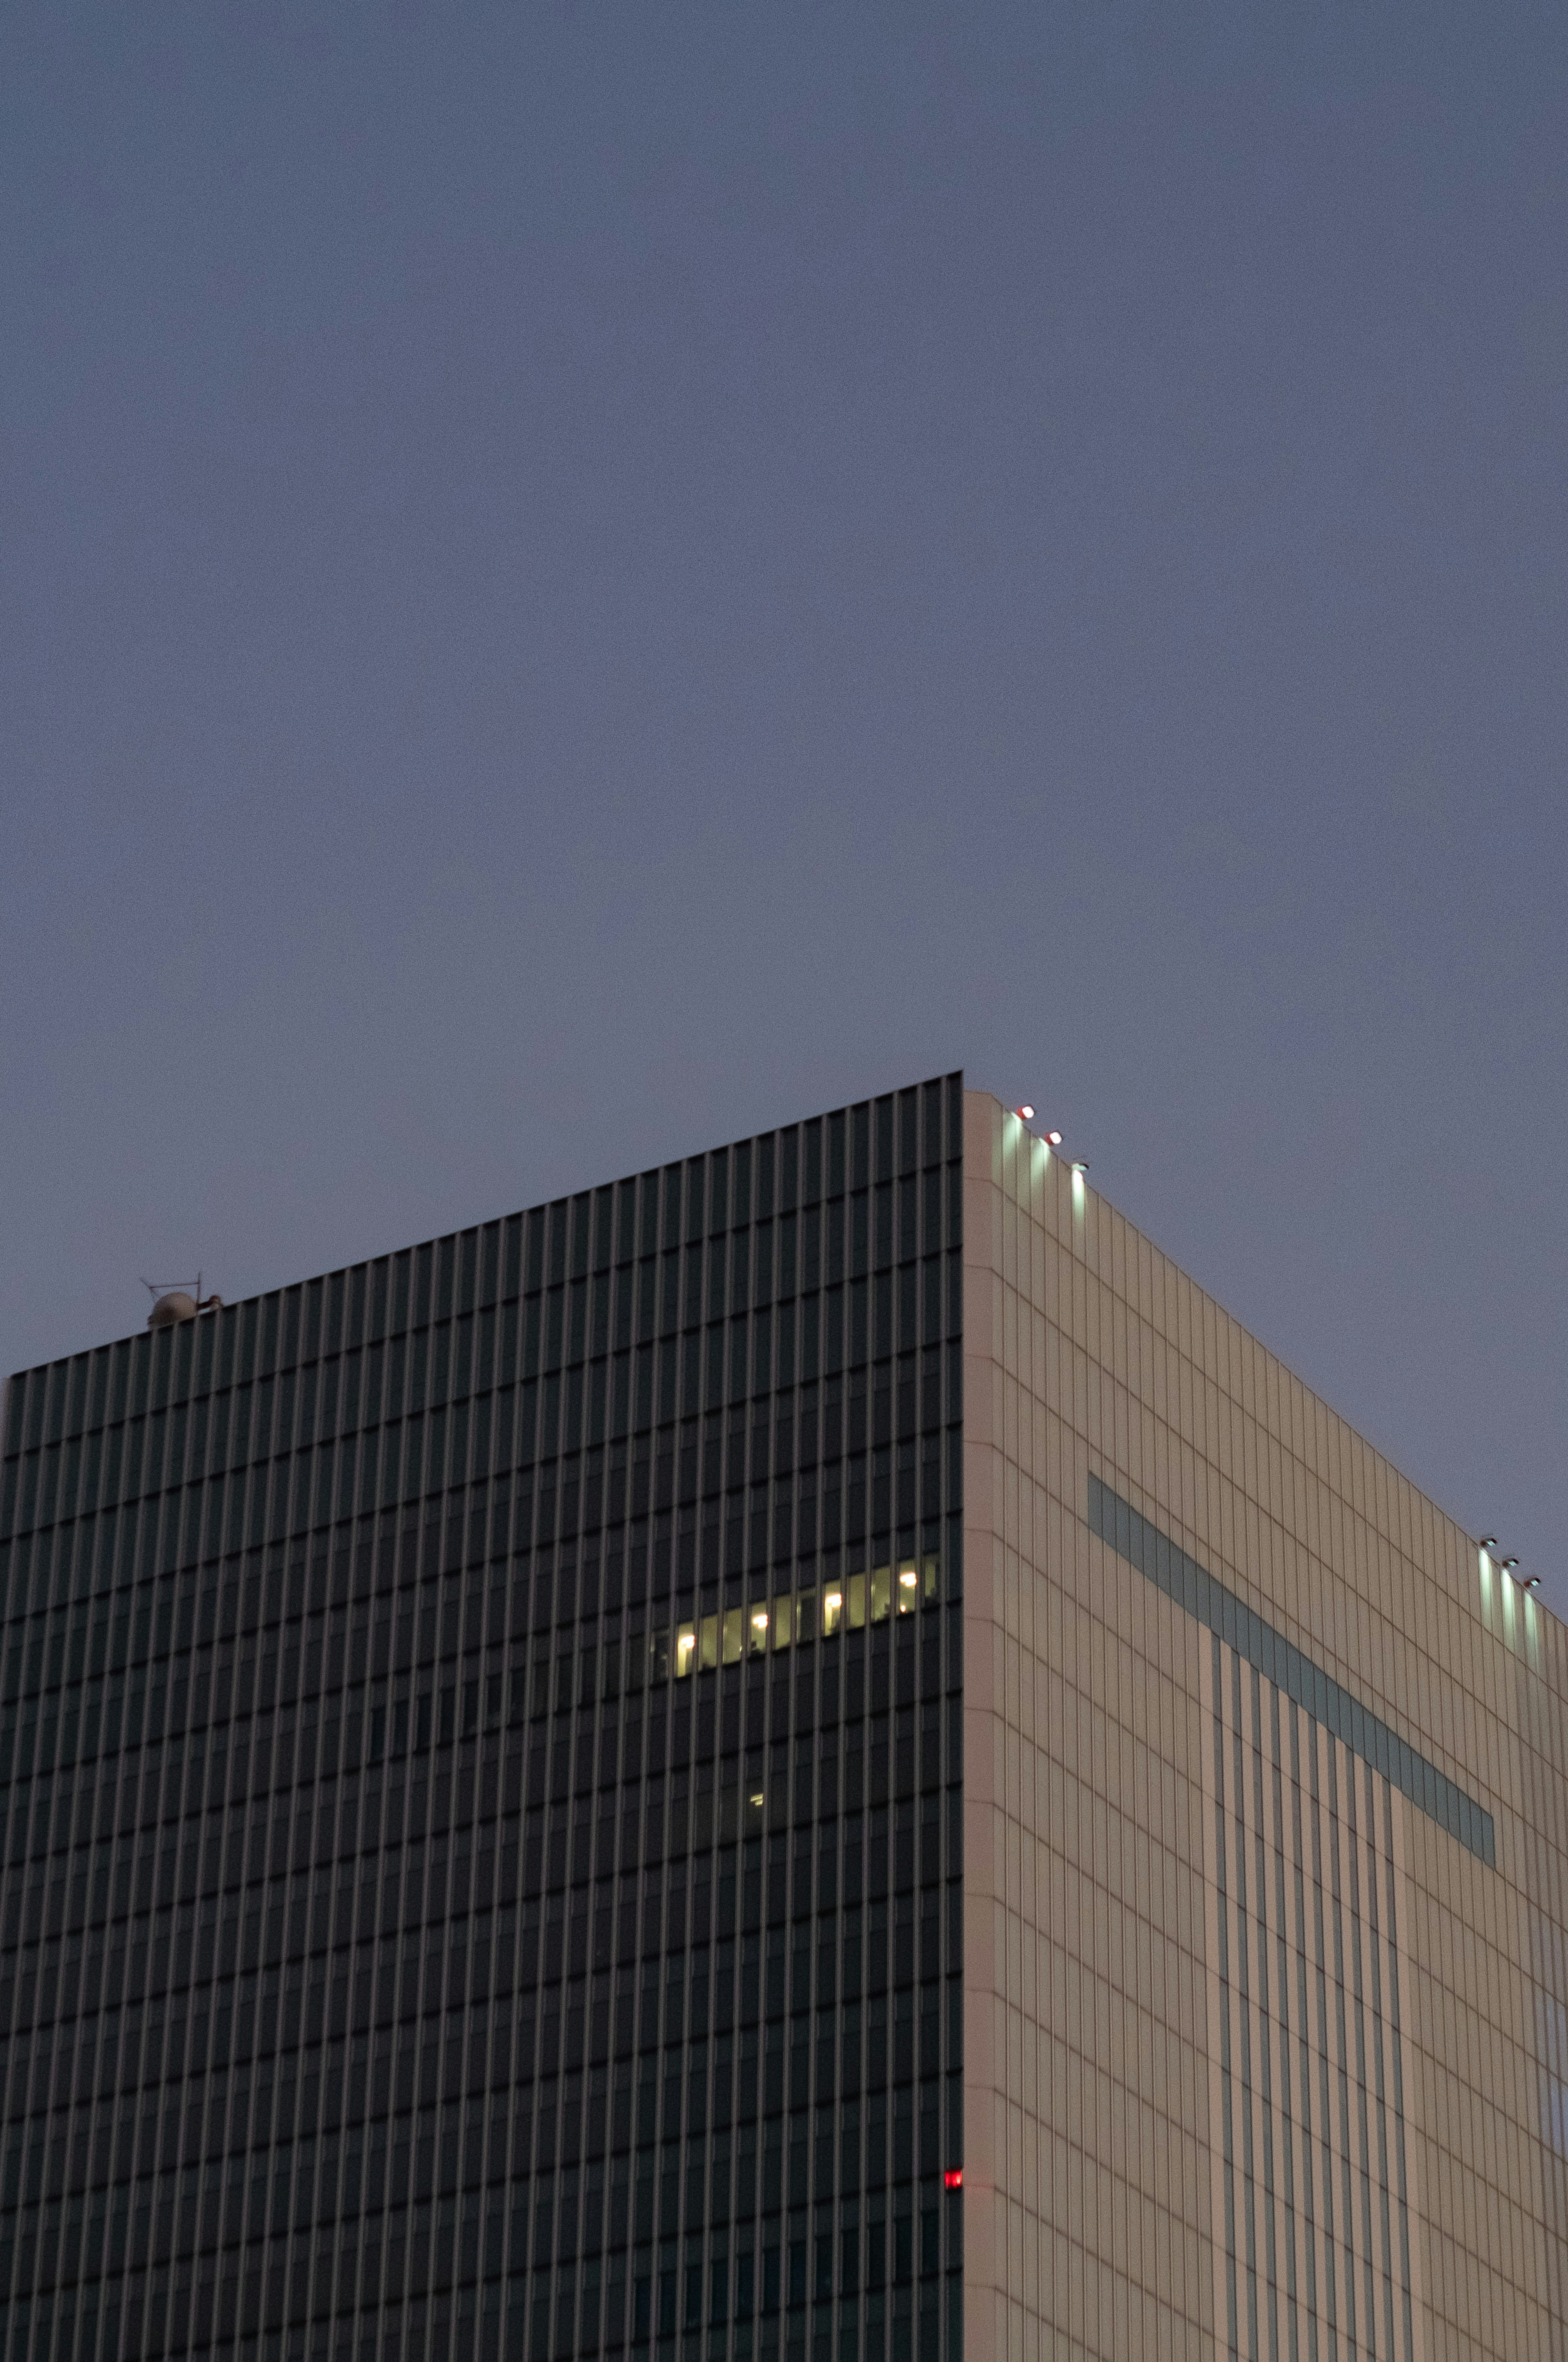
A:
(1079, 1166)
(1530, 1581)
(1488, 1541)
(1053, 1140)
(1510, 1563)
(1026, 1113)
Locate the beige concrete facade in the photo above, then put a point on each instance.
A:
(1261, 2057)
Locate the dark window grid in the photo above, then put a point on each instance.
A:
(287, 1824)
(272, 1656)
(160, 2141)
(299, 1632)
(231, 1942)
(102, 1931)
(400, 1524)
(383, 1954)
(145, 1621)
(275, 1815)
(350, 2235)
(417, 1376)
(293, 1427)
(846, 2251)
(364, 1957)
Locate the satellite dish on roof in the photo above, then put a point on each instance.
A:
(168, 1309)
(181, 1302)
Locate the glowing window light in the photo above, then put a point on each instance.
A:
(954, 2178)
(791, 1618)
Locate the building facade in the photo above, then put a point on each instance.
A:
(1265, 1810)
(807, 1755)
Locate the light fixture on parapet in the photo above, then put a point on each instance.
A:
(1509, 1565)
(1025, 1114)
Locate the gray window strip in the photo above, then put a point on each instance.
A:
(1316, 1692)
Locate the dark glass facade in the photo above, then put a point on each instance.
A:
(479, 1782)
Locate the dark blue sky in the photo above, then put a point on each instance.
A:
(580, 580)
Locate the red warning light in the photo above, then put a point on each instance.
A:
(954, 2178)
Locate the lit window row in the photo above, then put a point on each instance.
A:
(793, 1617)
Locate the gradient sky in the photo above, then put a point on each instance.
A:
(580, 580)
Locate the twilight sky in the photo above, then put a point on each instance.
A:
(578, 580)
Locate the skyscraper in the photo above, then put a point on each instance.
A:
(811, 1754)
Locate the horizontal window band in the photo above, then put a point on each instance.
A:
(736, 1350)
(1170, 1569)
